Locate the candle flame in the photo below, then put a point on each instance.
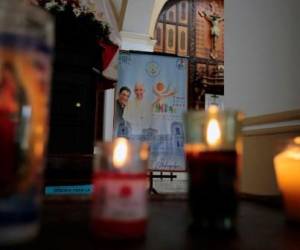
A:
(297, 140)
(213, 132)
(120, 152)
(144, 152)
(213, 109)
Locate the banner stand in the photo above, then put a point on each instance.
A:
(152, 190)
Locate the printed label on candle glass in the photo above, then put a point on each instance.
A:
(119, 199)
(25, 67)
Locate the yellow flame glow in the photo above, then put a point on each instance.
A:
(297, 140)
(213, 132)
(213, 109)
(120, 152)
(144, 152)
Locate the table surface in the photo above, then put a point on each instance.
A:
(65, 225)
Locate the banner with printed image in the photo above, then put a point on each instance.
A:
(151, 96)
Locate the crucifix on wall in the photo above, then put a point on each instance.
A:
(214, 19)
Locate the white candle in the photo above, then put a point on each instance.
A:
(287, 167)
(119, 208)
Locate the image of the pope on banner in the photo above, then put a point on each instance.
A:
(150, 100)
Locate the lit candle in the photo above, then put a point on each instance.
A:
(119, 209)
(287, 167)
(211, 158)
(213, 133)
(120, 153)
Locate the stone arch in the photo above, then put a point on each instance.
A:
(158, 5)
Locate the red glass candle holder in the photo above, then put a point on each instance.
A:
(119, 207)
(212, 153)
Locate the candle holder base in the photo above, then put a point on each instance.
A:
(206, 228)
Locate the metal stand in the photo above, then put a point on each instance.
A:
(152, 190)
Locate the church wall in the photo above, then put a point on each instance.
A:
(260, 56)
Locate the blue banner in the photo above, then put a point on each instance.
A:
(151, 95)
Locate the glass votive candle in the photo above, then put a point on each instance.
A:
(26, 44)
(287, 169)
(212, 149)
(119, 200)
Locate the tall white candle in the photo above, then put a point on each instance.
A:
(287, 167)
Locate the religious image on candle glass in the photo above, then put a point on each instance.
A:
(150, 100)
(26, 41)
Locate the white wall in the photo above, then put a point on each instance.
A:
(137, 17)
(262, 45)
(261, 55)
(137, 20)
(296, 45)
